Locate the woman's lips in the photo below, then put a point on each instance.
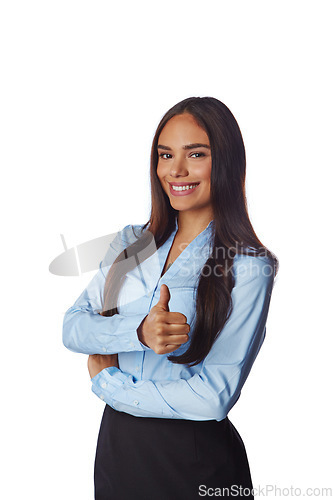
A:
(183, 192)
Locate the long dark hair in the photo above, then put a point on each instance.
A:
(233, 231)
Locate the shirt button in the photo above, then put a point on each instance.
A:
(136, 402)
(104, 349)
(101, 396)
(137, 368)
(104, 385)
(132, 344)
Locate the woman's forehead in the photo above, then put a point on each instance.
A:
(182, 130)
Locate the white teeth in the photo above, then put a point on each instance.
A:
(184, 188)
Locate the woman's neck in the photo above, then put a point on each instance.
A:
(191, 223)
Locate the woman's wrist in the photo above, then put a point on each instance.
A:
(98, 362)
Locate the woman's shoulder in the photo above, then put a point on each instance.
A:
(129, 235)
(131, 232)
(248, 267)
(120, 240)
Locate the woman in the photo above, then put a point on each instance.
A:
(181, 321)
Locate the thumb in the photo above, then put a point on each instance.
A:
(164, 297)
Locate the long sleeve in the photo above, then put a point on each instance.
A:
(85, 330)
(212, 392)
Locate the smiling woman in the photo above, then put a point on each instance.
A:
(173, 329)
(185, 170)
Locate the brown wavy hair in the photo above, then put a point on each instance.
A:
(233, 231)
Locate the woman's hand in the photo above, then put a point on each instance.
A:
(97, 362)
(161, 330)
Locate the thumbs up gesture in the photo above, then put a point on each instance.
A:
(162, 330)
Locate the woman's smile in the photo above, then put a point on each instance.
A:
(182, 188)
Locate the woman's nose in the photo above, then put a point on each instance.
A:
(178, 168)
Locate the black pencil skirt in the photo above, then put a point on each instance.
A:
(143, 458)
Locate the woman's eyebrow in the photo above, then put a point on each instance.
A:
(187, 146)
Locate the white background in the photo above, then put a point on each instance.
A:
(83, 87)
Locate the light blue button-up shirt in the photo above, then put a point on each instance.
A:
(147, 384)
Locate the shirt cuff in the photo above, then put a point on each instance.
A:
(145, 347)
(129, 340)
(102, 381)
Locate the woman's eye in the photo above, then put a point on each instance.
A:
(163, 155)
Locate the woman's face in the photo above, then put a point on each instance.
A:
(185, 160)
